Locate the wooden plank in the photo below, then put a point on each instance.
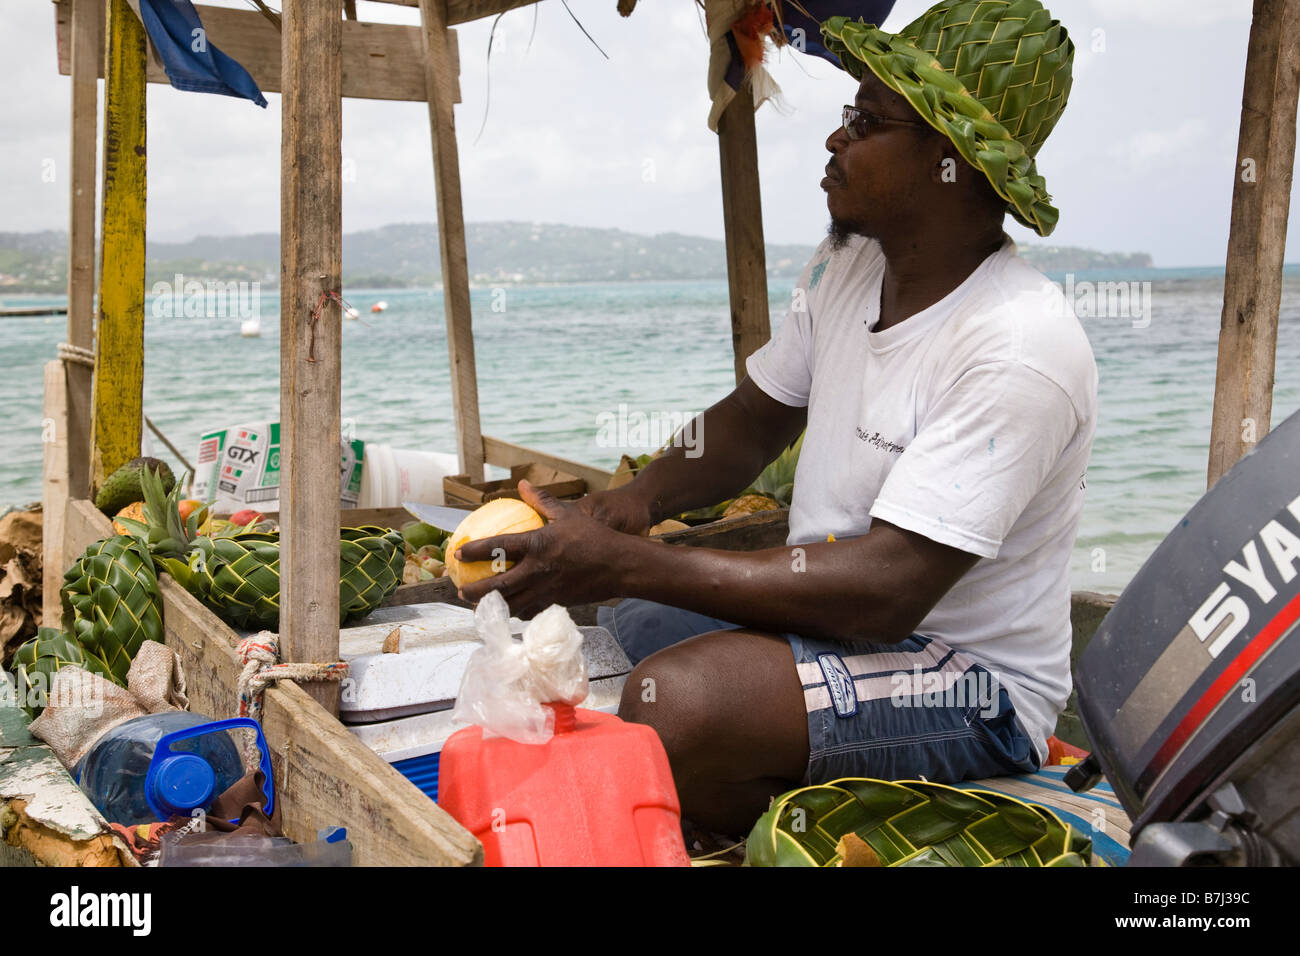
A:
(83, 525)
(29, 312)
(1087, 609)
(506, 454)
(86, 29)
(379, 517)
(356, 517)
(381, 61)
(54, 489)
(438, 591)
(1252, 292)
(49, 821)
(742, 214)
(451, 238)
(464, 11)
(324, 776)
(117, 408)
(752, 532)
(311, 253)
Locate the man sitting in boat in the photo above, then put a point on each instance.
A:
(918, 622)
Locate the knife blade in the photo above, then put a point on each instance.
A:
(441, 517)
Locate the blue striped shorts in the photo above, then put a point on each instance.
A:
(915, 709)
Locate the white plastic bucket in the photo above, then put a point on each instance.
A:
(390, 476)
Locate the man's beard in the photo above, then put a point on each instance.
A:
(840, 232)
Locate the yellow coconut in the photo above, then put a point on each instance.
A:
(502, 516)
(134, 510)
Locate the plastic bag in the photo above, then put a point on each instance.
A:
(506, 681)
(210, 849)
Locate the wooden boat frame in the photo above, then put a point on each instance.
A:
(324, 775)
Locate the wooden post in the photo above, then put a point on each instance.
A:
(441, 86)
(85, 46)
(118, 406)
(742, 214)
(381, 61)
(311, 223)
(54, 488)
(1252, 292)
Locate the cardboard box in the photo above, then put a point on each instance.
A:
(239, 467)
(459, 490)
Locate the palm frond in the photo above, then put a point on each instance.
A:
(912, 823)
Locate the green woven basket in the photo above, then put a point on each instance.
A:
(991, 75)
(111, 603)
(911, 823)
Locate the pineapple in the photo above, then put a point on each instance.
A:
(235, 568)
(161, 528)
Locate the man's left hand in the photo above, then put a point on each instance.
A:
(568, 561)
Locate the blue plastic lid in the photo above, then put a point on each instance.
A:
(181, 783)
(165, 789)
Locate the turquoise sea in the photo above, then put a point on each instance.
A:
(552, 360)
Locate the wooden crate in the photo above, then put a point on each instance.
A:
(324, 776)
(460, 490)
(357, 517)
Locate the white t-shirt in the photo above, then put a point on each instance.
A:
(970, 423)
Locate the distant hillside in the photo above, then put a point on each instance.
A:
(1074, 259)
(406, 254)
(34, 261)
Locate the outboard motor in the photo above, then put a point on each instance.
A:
(1190, 689)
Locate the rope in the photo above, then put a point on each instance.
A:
(76, 354)
(327, 296)
(260, 656)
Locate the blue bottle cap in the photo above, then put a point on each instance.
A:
(180, 783)
(155, 789)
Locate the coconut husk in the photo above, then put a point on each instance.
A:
(668, 526)
(624, 473)
(751, 504)
(855, 851)
(20, 531)
(20, 580)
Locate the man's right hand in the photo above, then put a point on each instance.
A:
(620, 509)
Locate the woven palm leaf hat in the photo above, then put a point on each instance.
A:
(991, 75)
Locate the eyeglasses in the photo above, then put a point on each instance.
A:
(859, 122)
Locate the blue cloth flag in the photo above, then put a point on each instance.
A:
(809, 39)
(803, 31)
(191, 61)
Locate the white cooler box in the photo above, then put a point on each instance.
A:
(400, 704)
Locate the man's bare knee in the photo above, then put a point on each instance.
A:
(663, 693)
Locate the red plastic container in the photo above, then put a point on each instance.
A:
(599, 793)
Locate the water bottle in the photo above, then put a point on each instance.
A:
(163, 765)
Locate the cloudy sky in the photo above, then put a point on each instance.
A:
(1143, 159)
